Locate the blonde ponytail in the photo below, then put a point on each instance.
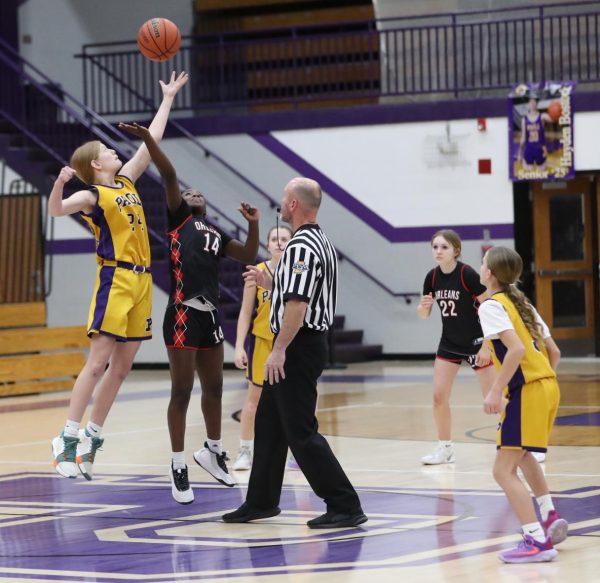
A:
(526, 312)
(506, 265)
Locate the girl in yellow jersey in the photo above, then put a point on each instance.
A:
(120, 311)
(256, 300)
(525, 357)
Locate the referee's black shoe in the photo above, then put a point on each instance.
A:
(246, 513)
(338, 520)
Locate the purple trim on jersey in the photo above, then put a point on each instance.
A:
(106, 276)
(250, 346)
(70, 246)
(518, 379)
(510, 429)
(365, 214)
(110, 335)
(105, 248)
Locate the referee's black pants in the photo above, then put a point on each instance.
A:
(286, 416)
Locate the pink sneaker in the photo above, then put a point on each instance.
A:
(555, 527)
(529, 551)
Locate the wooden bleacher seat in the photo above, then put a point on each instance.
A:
(33, 357)
(311, 69)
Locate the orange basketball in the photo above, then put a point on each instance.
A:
(158, 39)
(555, 110)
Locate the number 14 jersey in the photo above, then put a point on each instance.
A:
(456, 295)
(195, 249)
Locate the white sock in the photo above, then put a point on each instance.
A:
(215, 445)
(71, 428)
(249, 443)
(535, 530)
(446, 443)
(178, 460)
(93, 429)
(546, 505)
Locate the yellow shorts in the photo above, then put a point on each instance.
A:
(527, 420)
(121, 306)
(258, 352)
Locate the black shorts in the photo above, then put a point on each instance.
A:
(185, 327)
(456, 358)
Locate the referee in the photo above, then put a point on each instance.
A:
(304, 292)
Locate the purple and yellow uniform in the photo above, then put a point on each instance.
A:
(534, 152)
(121, 306)
(260, 341)
(533, 393)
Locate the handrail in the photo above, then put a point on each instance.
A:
(185, 132)
(84, 119)
(406, 295)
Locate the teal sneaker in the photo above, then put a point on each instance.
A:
(64, 452)
(86, 452)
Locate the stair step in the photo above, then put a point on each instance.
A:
(338, 322)
(347, 336)
(357, 352)
(12, 389)
(14, 369)
(28, 340)
(22, 314)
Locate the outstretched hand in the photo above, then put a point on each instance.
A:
(135, 129)
(171, 88)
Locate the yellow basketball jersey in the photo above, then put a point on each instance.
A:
(261, 326)
(119, 224)
(534, 364)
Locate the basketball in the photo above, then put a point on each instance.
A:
(158, 39)
(554, 110)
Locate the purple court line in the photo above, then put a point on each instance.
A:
(358, 209)
(591, 419)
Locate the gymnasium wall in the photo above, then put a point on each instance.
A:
(392, 185)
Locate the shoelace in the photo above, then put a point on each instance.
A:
(70, 449)
(180, 477)
(221, 459)
(97, 444)
(526, 543)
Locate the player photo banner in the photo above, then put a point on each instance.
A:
(540, 120)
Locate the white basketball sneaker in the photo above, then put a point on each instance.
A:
(64, 453)
(214, 464)
(244, 459)
(442, 454)
(180, 485)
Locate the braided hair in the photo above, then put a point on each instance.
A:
(506, 265)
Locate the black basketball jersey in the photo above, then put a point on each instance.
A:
(456, 295)
(195, 248)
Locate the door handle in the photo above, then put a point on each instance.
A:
(559, 272)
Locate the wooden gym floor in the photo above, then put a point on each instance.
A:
(443, 523)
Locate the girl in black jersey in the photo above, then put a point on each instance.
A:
(191, 329)
(457, 290)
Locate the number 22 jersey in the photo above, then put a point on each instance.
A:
(456, 295)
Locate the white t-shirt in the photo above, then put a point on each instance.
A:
(494, 319)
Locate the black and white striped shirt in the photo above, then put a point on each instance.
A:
(307, 271)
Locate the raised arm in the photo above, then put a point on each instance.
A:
(247, 252)
(82, 200)
(140, 160)
(166, 169)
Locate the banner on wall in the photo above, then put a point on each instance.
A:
(540, 125)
